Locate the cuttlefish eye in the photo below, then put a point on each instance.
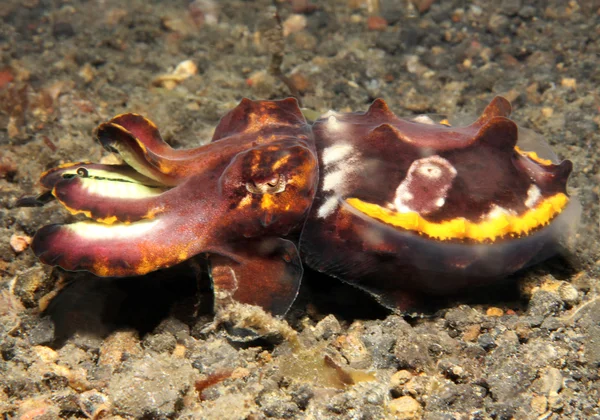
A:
(273, 185)
(82, 172)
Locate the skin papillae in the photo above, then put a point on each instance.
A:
(393, 206)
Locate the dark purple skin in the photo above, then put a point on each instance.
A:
(268, 176)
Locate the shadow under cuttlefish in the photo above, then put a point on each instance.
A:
(94, 306)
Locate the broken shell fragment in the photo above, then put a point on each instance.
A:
(184, 70)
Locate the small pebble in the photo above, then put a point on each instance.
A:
(398, 380)
(6, 77)
(162, 342)
(568, 293)
(547, 111)
(569, 82)
(94, 404)
(294, 23)
(62, 30)
(42, 333)
(327, 327)
(486, 341)
(376, 23)
(354, 350)
(300, 82)
(87, 73)
(472, 332)
(184, 70)
(539, 404)
(19, 243)
(405, 408)
(494, 312)
(116, 345)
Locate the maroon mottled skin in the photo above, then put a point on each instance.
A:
(393, 264)
(267, 174)
(206, 207)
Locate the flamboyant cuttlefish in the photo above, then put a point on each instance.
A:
(392, 206)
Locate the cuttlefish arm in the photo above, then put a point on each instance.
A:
(129, 235)
(265, 272)
(232, 201)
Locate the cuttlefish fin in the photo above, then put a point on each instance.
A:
(498, 107)
(263, 272)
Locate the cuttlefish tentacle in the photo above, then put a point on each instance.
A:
(95, 170)
(118, 249)
(139, 143)
(164, 230)
(106, 193)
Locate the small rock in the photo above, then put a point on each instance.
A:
(302, 394)
(151, 387)
(494, 312)
(31, 284)
(46, 354)
(179, 351)
(262, 83)
(87, 73)
(116, 346)
(304, 40)
(376, 23)
(42, 333)
(204, 12)
(87, 340)
(276, 404)
(527, 12)
(523, 330)
(544, 303)
(498, 24)
(398, 380)
(411, 350)
(539, 404)
(294, 23)
(6, 77)
(568, 293)
(569, 82)
(406, 408)
(452, 370)
(303, 6)
(62, 30)
(550, 381)
(19, 243)
(463, 317)
(163, 342)
(327, 327)
(175, 327)
(380, 339)
(547, 112)
(354, 350)
(184, 70)
(37, 409)
(94, 404)
(472, 333)
(417, 386)
(510, 7)
(300, 82)
(213, 356)
(486, 341)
